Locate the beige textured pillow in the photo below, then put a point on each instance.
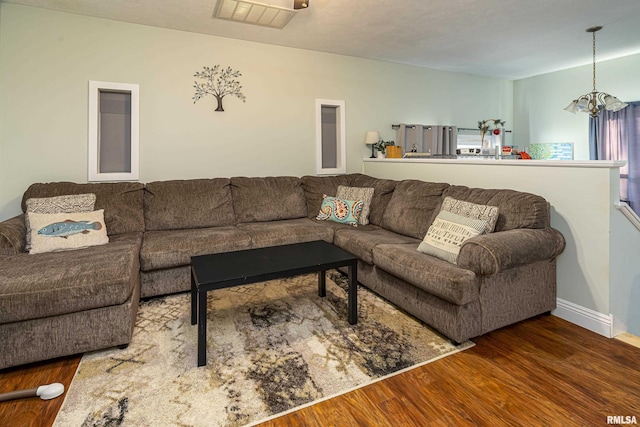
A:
(358, 193)
(58, 204)
(447, 234)
(66, 231)
(457, 222)
(472, 210)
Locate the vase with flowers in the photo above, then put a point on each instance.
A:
(485, 126)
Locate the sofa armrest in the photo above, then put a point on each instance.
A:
(12, 235)
(492, 253)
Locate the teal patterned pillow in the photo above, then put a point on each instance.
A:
(338, 210)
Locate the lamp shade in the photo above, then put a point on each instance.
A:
(372, 137)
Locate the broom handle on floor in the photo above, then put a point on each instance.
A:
(45, 392)
(32, 392)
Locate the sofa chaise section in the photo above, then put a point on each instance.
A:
(61, 303)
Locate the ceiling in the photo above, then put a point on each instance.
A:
(509, 39)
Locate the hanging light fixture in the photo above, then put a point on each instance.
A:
(589, 103)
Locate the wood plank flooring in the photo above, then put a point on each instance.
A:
(543, 371)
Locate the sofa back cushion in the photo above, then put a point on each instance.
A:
(516, 209)
(315, 187)
(185, 204)
(268, 199)
(412, 207)
(121, 201)
(382, 192)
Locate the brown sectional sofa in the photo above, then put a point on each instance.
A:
(64, 303)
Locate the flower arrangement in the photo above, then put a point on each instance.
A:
(485, 125)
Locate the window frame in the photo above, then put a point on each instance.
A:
(93, 162)
(341, 145)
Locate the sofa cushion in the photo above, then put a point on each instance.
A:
(364, 194)
(517, 209)
(411, 208)
(268, 199)
(121, 201)
(285, 232)
(340, 210)
(432, 275)
(361, 243)
(66, 231)
(184, 204)
(173, 248)
(315, 187)
(382, 192)
(35, 286)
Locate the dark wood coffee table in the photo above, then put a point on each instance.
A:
(225, 270)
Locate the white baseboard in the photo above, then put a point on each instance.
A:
(589, 319)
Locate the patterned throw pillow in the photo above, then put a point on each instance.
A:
(66, 231)
(338, 210)
(472, 210)
(59, 204)
(358, 193)
(457, 222)
(447, 234)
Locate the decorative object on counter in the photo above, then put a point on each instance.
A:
(589, 103)
(381, 147)
(372, 137)
(552, 151)
(394, 152)
(218, 82)
(485, 126)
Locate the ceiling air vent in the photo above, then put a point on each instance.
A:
(255, 13)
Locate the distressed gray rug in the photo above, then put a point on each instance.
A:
(271, 347)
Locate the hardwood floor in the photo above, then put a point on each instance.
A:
(34, 412)
(544, 371)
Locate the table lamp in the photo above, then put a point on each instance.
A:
(372, 137)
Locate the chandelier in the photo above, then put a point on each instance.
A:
(589, 103)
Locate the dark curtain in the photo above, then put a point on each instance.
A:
(616, 136)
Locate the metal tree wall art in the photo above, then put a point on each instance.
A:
(218, 82)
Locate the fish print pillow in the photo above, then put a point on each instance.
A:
(66, 231)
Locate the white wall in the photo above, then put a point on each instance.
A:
(539, 117)
(47, 59)
(625, 274)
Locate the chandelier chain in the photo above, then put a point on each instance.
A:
(594, 61)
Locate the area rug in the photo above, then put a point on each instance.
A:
(271, 347)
